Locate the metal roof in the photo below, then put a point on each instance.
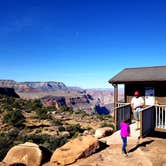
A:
(141, 74)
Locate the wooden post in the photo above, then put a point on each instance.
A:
(115, 103)
(141, 126)
(115, 95)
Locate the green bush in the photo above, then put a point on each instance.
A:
(14, 118)
(74, 129)
(7, 141)
(56, 122)
(32, 105)
(66, 109)
(47, 141)
(61, 128)
(42, 113)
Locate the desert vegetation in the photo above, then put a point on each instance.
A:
(29, 120)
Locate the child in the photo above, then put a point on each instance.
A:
(124, 132)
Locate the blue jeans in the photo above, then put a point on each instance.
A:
(124, 140)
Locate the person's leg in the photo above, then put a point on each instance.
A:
(124, 140)
(138, 125)
(136, 116)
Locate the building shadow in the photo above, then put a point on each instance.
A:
(143, 144)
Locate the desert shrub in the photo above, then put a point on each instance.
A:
(61, 128)
(103, 117)
(14, 118)
(66, 109)
(47, 141)
(56, 122)
(56, 142)
(42, 113)
(113, 126)
(51, 108)
(74, 129)
(32, 105)
(108, 124)
(105, 124)
(83, 114)
(7, 141)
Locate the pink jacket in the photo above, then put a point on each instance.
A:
(124, 129)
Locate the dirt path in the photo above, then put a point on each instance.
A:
(112, 156)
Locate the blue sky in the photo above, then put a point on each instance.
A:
(80, 42)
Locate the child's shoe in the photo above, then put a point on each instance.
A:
(125, 154)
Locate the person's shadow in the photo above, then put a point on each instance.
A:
(143, 144)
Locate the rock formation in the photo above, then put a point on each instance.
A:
(33, 86)
(103, 132)
(75, 149)
(27, 153)
(8, 92)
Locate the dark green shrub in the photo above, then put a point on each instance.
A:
(14, 118)
(50, 142)
(66, 109)
(42, 113)
(108, 124)
(56, 122)
(74, 129)
(61, 128)
(105, 124)
(7, 141)
(32, 105)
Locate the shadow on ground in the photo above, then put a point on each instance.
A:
(102, 146)
(143, 144)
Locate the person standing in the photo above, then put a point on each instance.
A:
(137, 104)
(124, 132)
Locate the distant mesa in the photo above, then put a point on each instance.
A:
(33, 86)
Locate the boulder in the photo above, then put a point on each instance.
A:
(103, 132)
(27, 153)
(3, 164)
(82, 146)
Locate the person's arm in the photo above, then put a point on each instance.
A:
(142, 102)
(128, 130)
(132, 104)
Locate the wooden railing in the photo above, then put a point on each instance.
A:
(160, 113)
(122, 104)
(151, 118)
(122, 113)
(147, 120)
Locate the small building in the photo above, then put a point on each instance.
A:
(149, 81)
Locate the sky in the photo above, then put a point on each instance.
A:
(81, 43)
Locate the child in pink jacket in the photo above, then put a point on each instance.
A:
(124, 133)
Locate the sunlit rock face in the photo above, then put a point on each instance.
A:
(75, 149)
(27, 153)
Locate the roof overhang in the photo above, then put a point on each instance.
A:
(140, 75)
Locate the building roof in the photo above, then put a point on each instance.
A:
(141, 74)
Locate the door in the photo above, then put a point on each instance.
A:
(149, 96)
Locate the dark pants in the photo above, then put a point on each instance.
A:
(124, 140)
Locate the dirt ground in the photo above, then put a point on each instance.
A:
(150, 151)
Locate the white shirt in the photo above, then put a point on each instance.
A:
(137, 101)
